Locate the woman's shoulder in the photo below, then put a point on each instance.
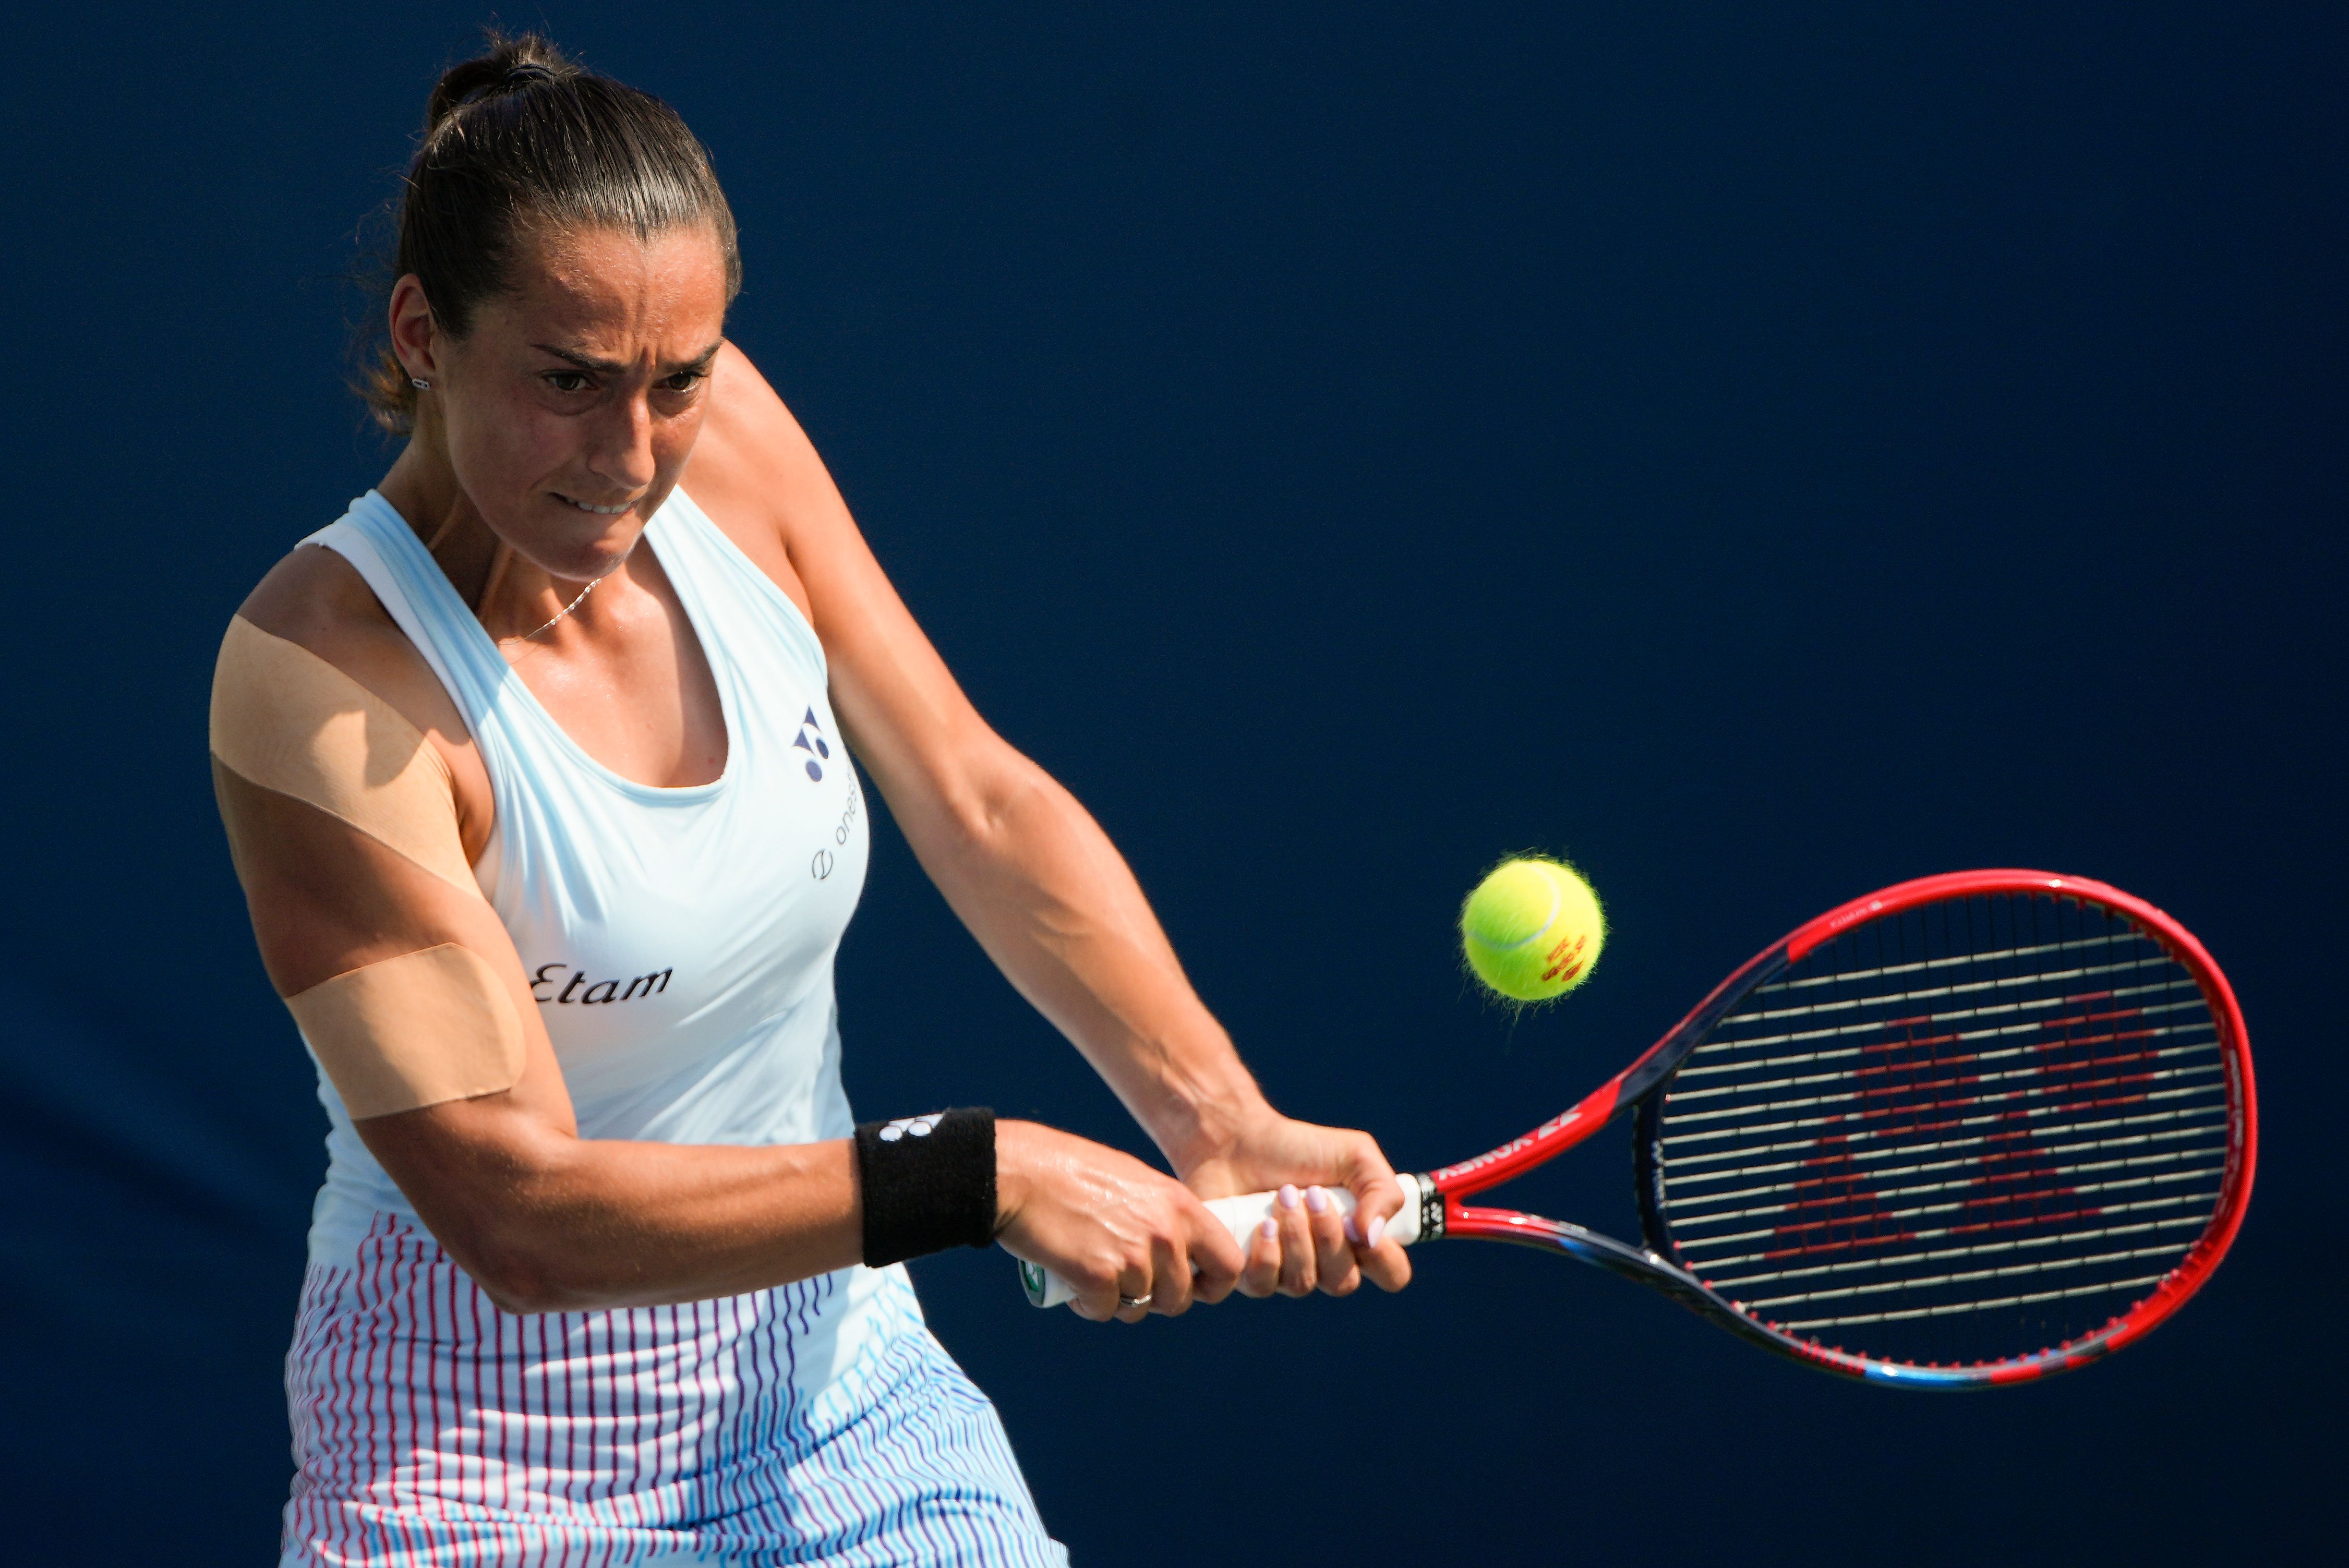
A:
(317, 601)
(745, 417)
(750, 473)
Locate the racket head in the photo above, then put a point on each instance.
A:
(1967, 1131)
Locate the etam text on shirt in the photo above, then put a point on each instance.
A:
(553, 975)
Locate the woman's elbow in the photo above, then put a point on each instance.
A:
(522, 1291)
(992, 809)
(519, 1273)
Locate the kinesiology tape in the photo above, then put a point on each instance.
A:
(927, 1184)
(286, 719)
(411, 1031)
(415, 1030)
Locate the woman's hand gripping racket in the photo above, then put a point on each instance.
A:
(1966, 1132)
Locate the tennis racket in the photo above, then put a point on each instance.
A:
(1967, 1131)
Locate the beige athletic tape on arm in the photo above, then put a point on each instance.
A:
(424, 1028)
(286, 719)
(411, 1031)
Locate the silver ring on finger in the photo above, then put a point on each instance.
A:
(1141, 1300)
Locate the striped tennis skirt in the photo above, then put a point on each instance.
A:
(431, 1428)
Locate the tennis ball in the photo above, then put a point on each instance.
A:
(1532, 930)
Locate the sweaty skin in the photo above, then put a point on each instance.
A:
(551, 431)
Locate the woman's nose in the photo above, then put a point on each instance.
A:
(623, 450)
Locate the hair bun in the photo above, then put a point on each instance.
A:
(522, 73)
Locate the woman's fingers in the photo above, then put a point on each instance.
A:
(1139, 1244)
(1333, 1255)
(1189, 1257)
(1299, 1273)
(1379, 1199)
(1097, 1304)
(1217, 1259)
(1185, 1249)
(1135, 1298)
(1261, 1275)
(1171, 1278)
(1383, 1261)
(1130, 1240)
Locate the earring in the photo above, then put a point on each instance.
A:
(421, 384)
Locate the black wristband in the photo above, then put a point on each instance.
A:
(927, 1182)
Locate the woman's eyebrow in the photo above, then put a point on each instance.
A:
(615, 368)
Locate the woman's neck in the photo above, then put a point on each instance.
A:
(508, 592)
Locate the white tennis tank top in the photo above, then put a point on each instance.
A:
(680, 942)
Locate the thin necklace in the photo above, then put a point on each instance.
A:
(526, 637)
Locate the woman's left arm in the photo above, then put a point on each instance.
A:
(1029, 871)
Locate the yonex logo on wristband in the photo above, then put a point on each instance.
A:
(927, 1184)
(911, 1126)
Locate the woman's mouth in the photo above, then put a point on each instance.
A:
(598, 510)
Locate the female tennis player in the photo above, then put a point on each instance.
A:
(536, 769)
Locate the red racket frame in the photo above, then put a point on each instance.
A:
(1442, 1214)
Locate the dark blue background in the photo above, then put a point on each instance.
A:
(1764, 459)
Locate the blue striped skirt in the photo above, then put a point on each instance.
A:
(431, 1428)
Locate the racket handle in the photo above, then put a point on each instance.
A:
(1241, 1216)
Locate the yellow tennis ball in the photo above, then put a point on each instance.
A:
(1532, 930)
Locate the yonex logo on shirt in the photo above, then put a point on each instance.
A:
(812, 743)
(911, 1127)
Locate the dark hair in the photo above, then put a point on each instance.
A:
(521, 137)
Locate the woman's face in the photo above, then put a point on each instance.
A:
(567, 410)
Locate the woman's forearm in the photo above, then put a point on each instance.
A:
(1054, 905)
(546, 1222)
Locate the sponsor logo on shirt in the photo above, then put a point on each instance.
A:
(626, 990)
(821, 866)
(813, 742)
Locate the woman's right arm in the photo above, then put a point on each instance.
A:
(371, 928)
(542, 1219)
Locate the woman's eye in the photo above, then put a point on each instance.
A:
(683, 381)
(567, 381)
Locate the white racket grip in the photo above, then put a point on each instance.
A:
(1241, 1216)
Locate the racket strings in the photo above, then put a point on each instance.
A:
(2060, 1082)
(1996, 983)
(1958, 1134)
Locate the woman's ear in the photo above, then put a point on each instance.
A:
(414, 337)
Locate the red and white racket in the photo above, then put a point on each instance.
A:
(1966, 1132)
